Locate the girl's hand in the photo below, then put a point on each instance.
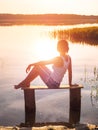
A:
(28, 68)
(74, 85)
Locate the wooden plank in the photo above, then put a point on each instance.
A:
(61, 87)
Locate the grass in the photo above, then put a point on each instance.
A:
(88, 35)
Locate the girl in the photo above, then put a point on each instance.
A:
(60, 65)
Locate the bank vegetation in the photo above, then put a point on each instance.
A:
(86, 35)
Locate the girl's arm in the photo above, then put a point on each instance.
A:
(38, 63)
(70, 73)
(56, 61)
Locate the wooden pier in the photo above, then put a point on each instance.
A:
(75, 103)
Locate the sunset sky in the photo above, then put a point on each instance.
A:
(84, 7)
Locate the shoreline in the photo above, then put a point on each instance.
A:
(52, 127)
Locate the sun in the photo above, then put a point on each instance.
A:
(45, 49)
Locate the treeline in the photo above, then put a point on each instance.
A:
(87, 35)
(47, 19)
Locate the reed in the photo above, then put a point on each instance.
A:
(92, 82)
(86, 35)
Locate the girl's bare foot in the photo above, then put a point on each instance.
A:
(21, 85)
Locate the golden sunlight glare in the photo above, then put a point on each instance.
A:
(45, 49)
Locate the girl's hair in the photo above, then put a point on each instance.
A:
(62, 46)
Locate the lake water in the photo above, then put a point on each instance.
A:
(22, 45)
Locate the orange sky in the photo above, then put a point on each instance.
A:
(85, 7)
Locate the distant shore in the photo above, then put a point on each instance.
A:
(46, 19)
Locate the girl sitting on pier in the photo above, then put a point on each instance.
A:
(60, 65)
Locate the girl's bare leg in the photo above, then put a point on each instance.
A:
(31, 76)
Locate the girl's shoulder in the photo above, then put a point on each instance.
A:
(66, 57)
(58, 61)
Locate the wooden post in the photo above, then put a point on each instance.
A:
(30, 107)
(75, 105)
